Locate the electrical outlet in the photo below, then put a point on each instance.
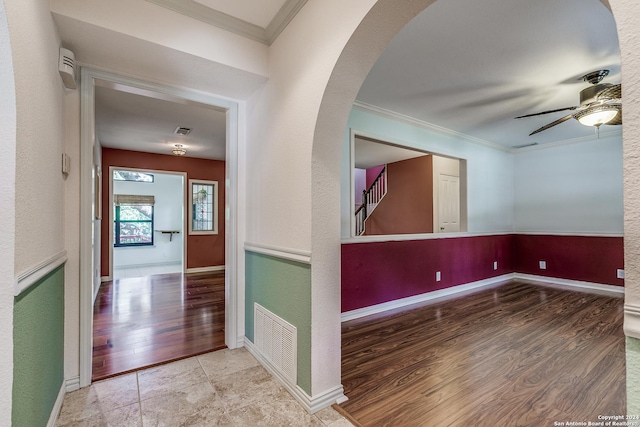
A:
(495, 265)
(620, 273)
(543, 265)
(438, 276)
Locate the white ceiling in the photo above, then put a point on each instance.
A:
(259, 13)
(465, 65)
(369, 153)
(472, 66)
(129, 120)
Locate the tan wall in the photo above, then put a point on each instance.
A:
(408, 205)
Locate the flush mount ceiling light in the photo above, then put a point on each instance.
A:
(597, 115)
(179, 150)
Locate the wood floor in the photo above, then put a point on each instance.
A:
(140, 322)
(518, 355)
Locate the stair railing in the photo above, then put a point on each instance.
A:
(370, 199)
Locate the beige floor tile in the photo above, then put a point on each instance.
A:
(126, 416)
(329, 415)
(247, 387)
(342, 422)
(101, 397)
(221, 363)
(192, 406)
(279, 413)
(171, 377)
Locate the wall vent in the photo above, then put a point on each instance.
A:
(182, 131)
(67, 68)
(277, 340)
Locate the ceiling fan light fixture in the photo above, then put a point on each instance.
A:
(597, 116)
(178, 150)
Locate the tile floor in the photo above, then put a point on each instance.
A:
(223, 388)
(149, 270)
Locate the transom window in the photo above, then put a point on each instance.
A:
(123, 175)
(133, 224)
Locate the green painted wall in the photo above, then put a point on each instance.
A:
(38, 340)
(633, 376)
(284, 288)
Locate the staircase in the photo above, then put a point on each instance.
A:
(370, 199)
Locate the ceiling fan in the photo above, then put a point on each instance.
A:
(599, 104)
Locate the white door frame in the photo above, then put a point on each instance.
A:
(233, 309)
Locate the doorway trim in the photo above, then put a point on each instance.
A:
(233, 310)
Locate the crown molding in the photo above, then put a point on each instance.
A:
(449, 132)
(235, 25)
(425, 125)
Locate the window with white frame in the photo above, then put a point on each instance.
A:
(203, 207)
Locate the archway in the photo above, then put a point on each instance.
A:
(380, 25)
(7, 196)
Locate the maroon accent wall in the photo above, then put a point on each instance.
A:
(588, 259)
(202, 251)
(372, 174)
(374, 273)
(408, 205)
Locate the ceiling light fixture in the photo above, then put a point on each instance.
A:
(597, 115)
(179, 150)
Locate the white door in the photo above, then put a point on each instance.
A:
(448, 203)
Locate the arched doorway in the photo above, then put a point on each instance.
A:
(375, 31)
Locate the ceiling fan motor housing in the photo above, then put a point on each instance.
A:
(588, 95)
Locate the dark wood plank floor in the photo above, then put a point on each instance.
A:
(140, 322)
(518, 355)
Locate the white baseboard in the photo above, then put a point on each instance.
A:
(72, 384)
(205, 269)
(572, 284)
(441, 293)
(55, 411)
(311, 403)
(632, 320)
(105, 278)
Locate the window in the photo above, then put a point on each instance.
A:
(133, 224)
(122, 175)
(203, 207)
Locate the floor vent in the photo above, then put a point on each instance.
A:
(277, 340)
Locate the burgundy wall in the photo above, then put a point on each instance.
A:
(372, 174)
(203, 250)
(588, 259)
(374, 273)
(408, 205)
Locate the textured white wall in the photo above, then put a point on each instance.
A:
(7, 188)
(489, 171)
(39, 94)
(627, 14)
(167, 215)
(570, 188)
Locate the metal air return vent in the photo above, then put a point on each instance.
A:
(182, 131)
(277, 340)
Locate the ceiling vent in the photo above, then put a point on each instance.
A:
(182, 131)
(67, 68)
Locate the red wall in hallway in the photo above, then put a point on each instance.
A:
(202, 251)
(372, 174)
(374, 273)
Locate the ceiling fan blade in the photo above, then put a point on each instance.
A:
(613, 92)
(552, 124)
(546, 112)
